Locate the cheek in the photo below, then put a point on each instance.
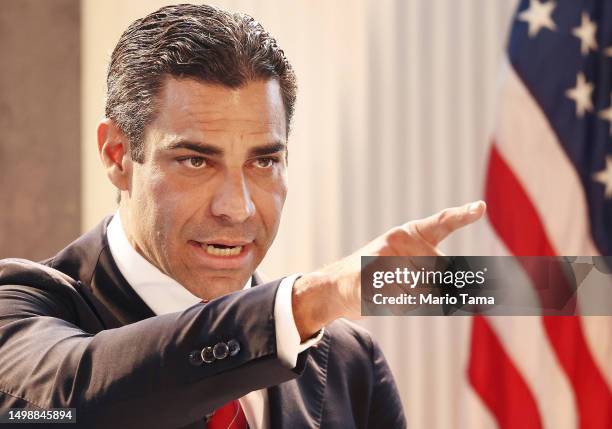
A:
(280, 191)
(270, 201)
(157, 204)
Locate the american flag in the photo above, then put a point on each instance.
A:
(549, 192)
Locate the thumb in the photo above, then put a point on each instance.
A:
(437, 227)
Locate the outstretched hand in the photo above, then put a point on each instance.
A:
(335, 290)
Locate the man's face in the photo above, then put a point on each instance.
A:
(205, 205)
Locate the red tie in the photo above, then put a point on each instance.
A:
(229, 416)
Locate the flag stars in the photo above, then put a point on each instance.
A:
(538, 16)
(586, 33)
(581, 94)
(607, 114)
(605, 177)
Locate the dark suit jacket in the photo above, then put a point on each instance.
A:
(73, 333)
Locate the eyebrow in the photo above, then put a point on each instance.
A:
(268, 149)
(212, 150)
(203, 148)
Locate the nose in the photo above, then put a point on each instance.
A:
(232, 200)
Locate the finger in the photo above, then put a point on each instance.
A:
(437, 227)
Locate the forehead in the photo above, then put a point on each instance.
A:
(199, 110)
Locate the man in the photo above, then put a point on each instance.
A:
(152, 318)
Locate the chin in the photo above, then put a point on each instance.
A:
(211, 287)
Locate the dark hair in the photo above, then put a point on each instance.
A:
(189, 41)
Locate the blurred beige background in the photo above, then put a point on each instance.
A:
(395, 109)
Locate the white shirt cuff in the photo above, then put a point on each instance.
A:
(288, 344)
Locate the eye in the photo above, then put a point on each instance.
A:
(265, 162)
(193, 162)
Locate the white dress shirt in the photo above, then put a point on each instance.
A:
(165, 295)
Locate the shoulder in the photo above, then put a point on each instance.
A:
(35, 289)
(28, 273)
(350, 342)
(349, 333)
(353, 347)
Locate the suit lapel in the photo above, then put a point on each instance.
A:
(120, 301)
(256, 279)
(89, 261)
(299, 402)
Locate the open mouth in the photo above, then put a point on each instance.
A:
(221, 249)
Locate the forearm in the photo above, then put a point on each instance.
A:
(139, 374)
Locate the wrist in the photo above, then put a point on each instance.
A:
(314, 303)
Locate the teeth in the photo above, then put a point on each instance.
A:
(230, 251)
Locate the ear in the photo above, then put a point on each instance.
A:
(114, 152)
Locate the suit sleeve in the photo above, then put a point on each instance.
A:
(386, 409)
(139, 375)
